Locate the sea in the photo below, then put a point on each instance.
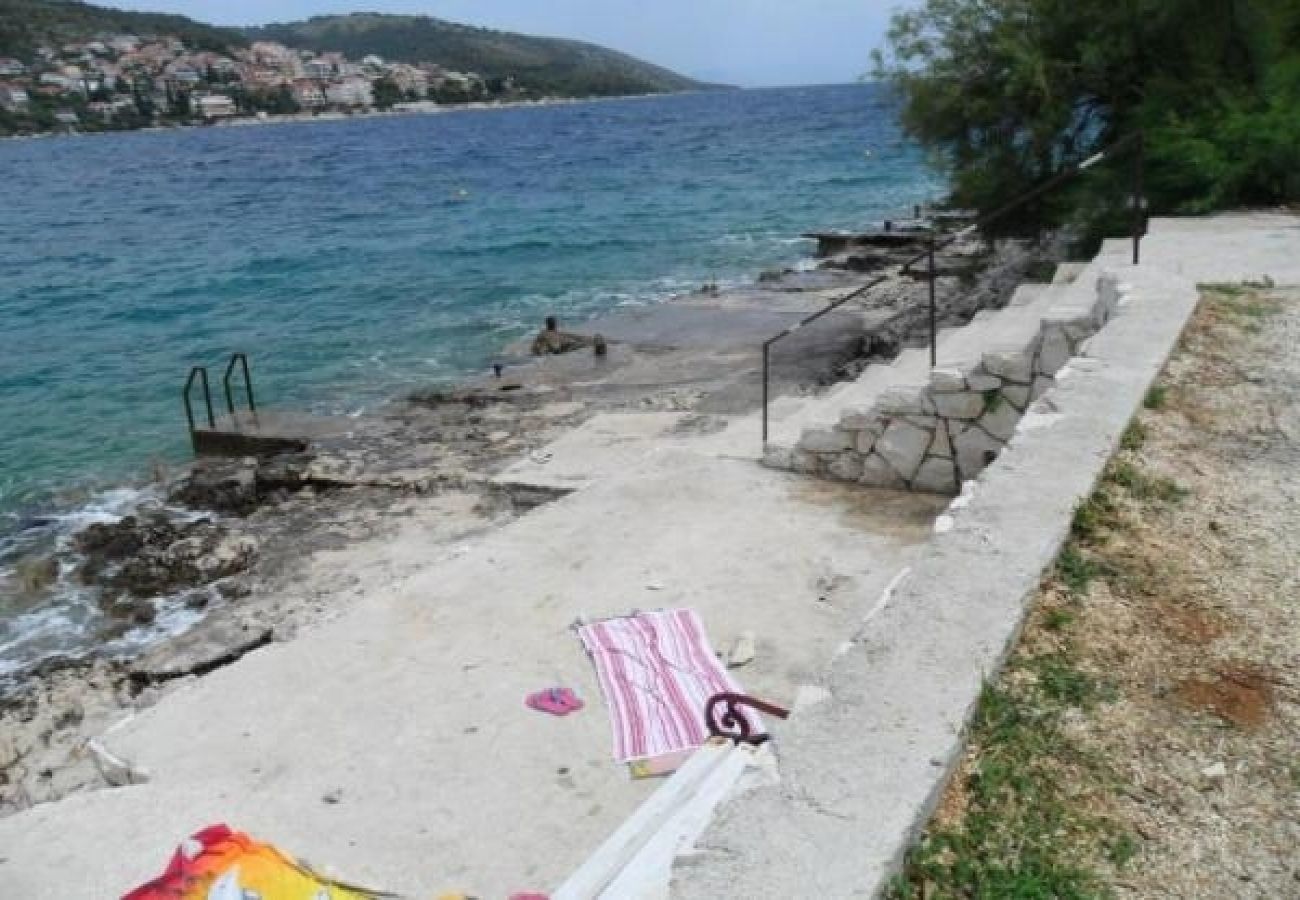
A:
(355, 260)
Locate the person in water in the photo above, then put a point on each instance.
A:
(551, 341)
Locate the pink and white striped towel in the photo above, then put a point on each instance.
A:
(657, 672)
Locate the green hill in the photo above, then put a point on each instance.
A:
(542, 65)
(28, 24)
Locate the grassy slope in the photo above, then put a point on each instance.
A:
(28, 24)
(544, 65)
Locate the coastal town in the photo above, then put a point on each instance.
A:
(125, 81)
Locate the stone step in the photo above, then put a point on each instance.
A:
(1012, 329)
(824, 410)
(912, 367)
(1069, 272)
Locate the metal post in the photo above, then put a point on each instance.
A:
(934, 313)
(248, 383)
(207, 398)
(225, 383)
(1139, 197)
(767, 348)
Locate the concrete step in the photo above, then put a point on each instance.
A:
(1013, 327)
(990, 329)
(1068, 273)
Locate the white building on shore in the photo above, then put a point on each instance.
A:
(214, 106)
(350, 92)
(13, 98)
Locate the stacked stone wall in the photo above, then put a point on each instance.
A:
(934, 437)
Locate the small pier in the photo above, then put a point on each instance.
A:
(249, 431)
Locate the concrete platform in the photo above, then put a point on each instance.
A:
(410, 708)
(862, 771)
(267, 432)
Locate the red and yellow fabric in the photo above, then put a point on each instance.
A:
(220, 864)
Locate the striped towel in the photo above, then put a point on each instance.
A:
(657, 672)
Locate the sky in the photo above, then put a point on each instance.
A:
(751, 43)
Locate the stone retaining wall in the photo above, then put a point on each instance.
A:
(936, 436)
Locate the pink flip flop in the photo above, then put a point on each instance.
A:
(570, 699)
(556, 701)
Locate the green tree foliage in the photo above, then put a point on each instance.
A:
(28, 24)
(386, 92)
(1006, 92)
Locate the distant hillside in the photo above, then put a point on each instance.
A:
(542, 65)
(28, 24)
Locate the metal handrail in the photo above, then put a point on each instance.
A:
(1070, 172)
(202, 373)
(242, 360)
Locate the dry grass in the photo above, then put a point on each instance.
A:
(1149, 719)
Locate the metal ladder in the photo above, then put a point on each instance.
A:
(200, 373)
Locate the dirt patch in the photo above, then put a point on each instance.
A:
(1241, 695)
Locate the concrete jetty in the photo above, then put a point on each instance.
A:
(878, 614)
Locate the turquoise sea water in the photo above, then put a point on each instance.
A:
(355, 259)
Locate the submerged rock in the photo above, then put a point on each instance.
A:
(36, 574)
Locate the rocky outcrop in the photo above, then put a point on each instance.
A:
(137, 559)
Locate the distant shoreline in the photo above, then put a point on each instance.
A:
(405, 109)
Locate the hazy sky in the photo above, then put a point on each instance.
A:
(745, 42)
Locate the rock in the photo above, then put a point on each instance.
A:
(942, 445)
(1017, 395)
(132, 611)
(36, 574)
(743, 651)
(116, 771)
(826, 440)
(905, 401)
(903, 446)
(878, 473)
(959, 406)
(1042, 385)
(8, 752)
(982, 381)
(866, 440)
(232, 555)
(1054, 353)
(198, 651)
(936, 476)
(1001, 420)
(860, 420)
(805, 463)
(1010, 366)
(777, 457)
(947, 381)
(975, 449)
(845, 467)
(1215, 772)
(150, 558)
(114, 541)
(226, 487)
(285, 472)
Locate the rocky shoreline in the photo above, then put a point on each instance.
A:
(255, 549)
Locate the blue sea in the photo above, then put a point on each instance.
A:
(353, 260)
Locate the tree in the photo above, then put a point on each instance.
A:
(1007, 92)
(386, 92)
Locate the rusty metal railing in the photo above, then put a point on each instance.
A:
(1135, 140)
